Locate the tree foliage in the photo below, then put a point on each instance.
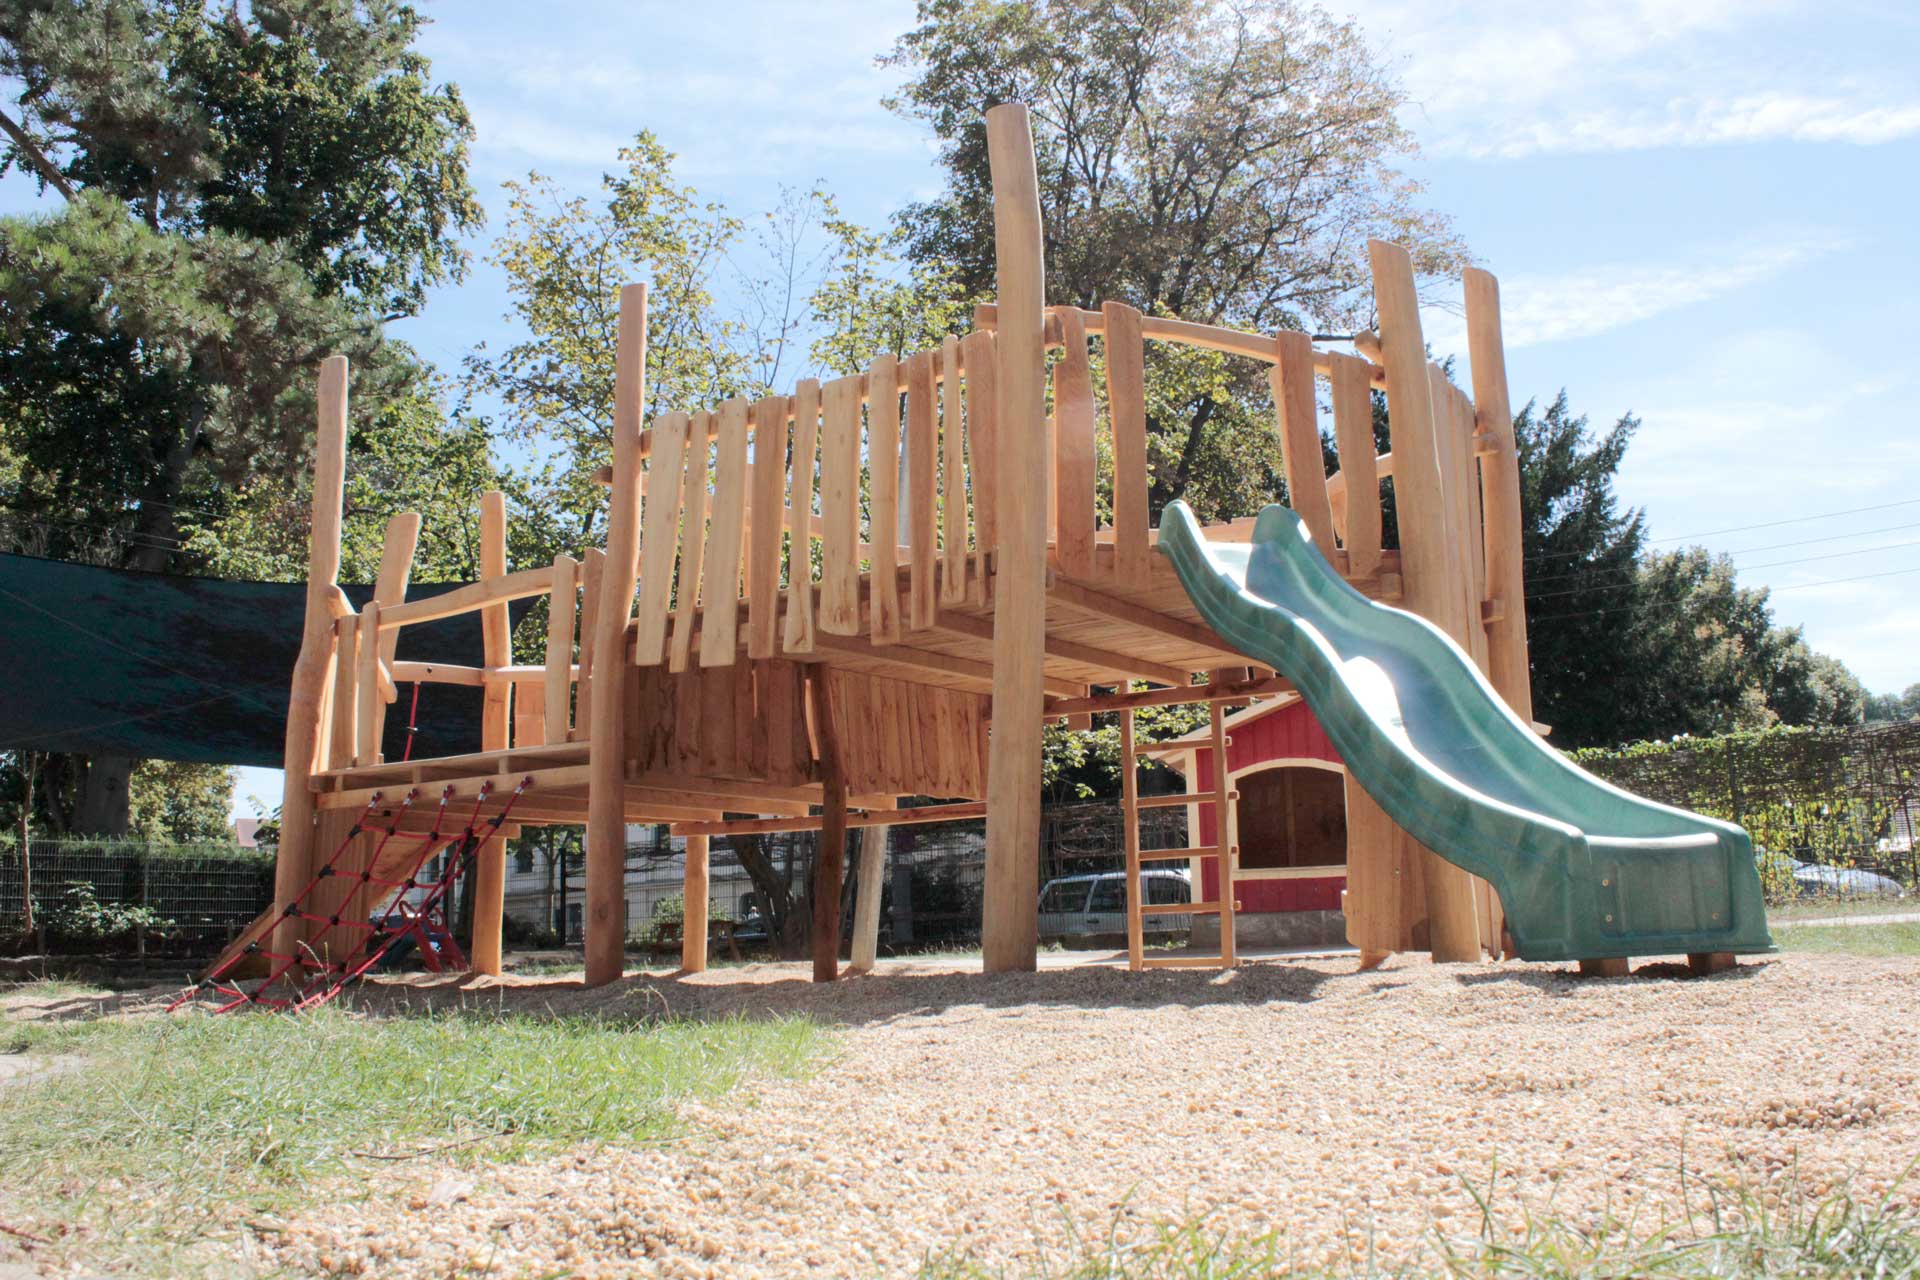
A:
(1220, 163)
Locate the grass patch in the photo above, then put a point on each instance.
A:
(1734, 1235)
(1851, 939)
(165, 1135)
(1829, 908)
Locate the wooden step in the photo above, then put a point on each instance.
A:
(1180, 908)
(1185, 962)
(1177, 801)
(1179, 855)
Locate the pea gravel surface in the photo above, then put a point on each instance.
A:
(995, 1116)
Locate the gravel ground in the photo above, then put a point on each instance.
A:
(972, 1113)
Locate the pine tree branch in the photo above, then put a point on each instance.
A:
(31, 152)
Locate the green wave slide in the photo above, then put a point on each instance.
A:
(1584, 870)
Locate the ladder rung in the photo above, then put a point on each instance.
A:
(1177, 800)
(1180, 908)
(1179, 855)
(1184, 962)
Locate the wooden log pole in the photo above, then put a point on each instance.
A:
(870, 884)
(829, 857)
(696, 886)
(606, 915)
(1433, 568)
(1009, 910)
(293, 865)
(1507, 662)
(496, 643)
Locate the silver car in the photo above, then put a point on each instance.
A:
(1814, 880)
(1095, 905)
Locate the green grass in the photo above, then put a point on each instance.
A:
(1734, 1234)
(1851, 939)
(1828, 908)
(165, 1136)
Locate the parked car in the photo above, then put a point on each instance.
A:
(1095, 905)
(1812, 880)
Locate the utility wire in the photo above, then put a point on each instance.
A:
(1745, 528)
(1771, 564)
(1632, 606)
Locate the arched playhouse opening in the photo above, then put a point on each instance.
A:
(1290, 823)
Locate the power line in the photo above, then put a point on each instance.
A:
(1771, 564)
(1746, 528)
(1637, 604)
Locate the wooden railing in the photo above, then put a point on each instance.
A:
(366, 676)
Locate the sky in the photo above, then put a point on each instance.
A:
(1700, 214)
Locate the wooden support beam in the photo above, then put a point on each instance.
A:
(879, 817)
(606, 922)
(913, 663)
(1605, 967)
(486, 593)
(1265, 687)
(830, 854)
(307, 690)
(694, 893)
(869, 886)
(1112, 609)
(1085, 655)
(1009, 922)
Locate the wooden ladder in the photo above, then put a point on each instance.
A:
(1221, 851)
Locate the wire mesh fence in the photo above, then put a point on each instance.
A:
(1842, 799)
(191, 894)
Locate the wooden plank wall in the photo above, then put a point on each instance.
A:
(918, 739)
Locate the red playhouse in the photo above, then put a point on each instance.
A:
(1290, 824)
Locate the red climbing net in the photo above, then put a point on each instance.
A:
(307, 976)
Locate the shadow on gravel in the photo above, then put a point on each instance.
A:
(1564, 980)
(775, 991)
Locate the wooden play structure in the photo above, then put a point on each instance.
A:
(814, 606)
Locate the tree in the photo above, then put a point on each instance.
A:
(1881, 707)
(181, 803)
(1223, 163)
(245, 192)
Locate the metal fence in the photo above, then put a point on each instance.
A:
(203, 892)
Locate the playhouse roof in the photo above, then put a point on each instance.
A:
(1202, 736)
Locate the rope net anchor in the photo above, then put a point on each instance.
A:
(415, 907)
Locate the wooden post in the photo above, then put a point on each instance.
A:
(293, 864)
(496, 643)
(1507, 663)
(1130, 835)
(694, 891)
(606, 803)
(866, 902)
(1009, 910)
(1432, 568)
(830, 856)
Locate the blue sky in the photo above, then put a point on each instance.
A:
(1700, 213)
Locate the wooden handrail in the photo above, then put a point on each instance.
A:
(1188, 333)
(467, 599)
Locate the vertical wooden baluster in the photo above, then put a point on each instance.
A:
(592, 569)
(558, 692)
(1127, 406)
(343, 737)
(840, 507)
(693, 504)
(953, 479)
(1073, 449)
(1291, 379)
(978, 353)
(798, 637)
(883, 475)
(720, 595)
(922, 464)
(1353, 436)
(659, 539)
(769, 518)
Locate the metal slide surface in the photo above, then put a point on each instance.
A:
(1584, 870)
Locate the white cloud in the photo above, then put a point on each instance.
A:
(1582, 302)
(1501, 79)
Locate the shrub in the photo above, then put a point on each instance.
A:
(81, 919)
